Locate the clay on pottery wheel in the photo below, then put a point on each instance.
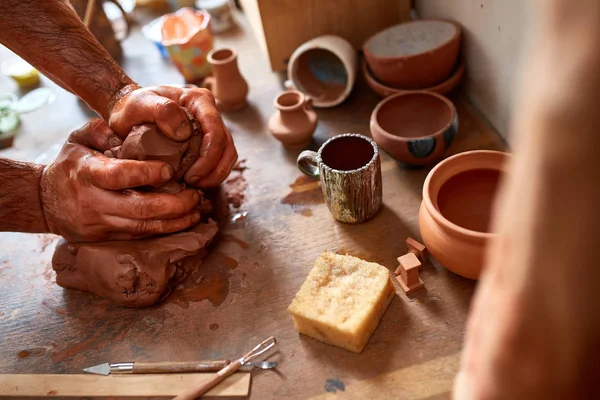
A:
(294, 122)
(442, 88)
(325, 69)
(454, 218)
(138, 273)
(416, 128)
(227, 83)
(415, 54)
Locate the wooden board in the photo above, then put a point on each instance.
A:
(254, 270)
(280, 26)
(27, 385)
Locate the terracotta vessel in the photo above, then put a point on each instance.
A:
(454, 217)
(227, 83)
(415, 54)
(443, 88)
(325, 69)
(294, 122)
(187, 38)
(415, 127)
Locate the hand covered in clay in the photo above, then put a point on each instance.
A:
(85, 195)
(162, 105)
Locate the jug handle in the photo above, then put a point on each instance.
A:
(308, 102)
(208, 82)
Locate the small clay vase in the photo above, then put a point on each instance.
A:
(458, 198)
(294, 122)
(416, 128)
(227, 83)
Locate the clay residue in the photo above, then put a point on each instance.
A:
(235, 186)
(35, 352)
(210, 283)
(305, 191)
(214, 327)
(236, 240)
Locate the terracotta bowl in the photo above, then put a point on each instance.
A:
(443, 88)
(415, 127)
(458, 198)
(415, 54)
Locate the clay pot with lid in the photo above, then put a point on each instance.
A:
(227, 83)
(416, 128)
(294, 122)
(458, 199)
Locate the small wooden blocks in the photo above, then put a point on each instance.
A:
(408, 270)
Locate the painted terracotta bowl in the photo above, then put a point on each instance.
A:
(458, 199)
(415, 127)
(443, 88)
(415, 54)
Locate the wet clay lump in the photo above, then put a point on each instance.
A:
(139, 273)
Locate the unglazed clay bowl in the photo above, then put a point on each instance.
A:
(415, 127)
(443, 88)
(415, 54)
(458, 198)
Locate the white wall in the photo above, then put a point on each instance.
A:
(495, 33)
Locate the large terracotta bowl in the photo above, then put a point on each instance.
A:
(414, 55)
(415, 127)
(458, 198)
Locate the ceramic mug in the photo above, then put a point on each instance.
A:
(349, 168)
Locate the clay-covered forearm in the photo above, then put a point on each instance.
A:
(52, 37)
(20, 205)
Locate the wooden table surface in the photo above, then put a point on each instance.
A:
(250, 277)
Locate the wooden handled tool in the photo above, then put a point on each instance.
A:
(158, 367)
(205, 386)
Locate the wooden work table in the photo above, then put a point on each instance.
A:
(254, 270)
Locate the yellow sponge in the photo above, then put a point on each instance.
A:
(342, 301)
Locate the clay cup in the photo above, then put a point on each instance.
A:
(349, 167)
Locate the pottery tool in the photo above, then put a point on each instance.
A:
(169, 367)
(121, 386)
(408, 270)
(203, 387)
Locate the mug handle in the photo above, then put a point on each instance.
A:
(307, 163)
(307, 102)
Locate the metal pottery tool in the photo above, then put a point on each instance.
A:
(169, 367)
(198, 391)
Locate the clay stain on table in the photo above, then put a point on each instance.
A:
(35, 352)
(214, 327)
(210, 283)
(236, 240)
(305, 191)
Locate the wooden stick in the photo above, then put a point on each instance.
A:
(178, 366)
(15, 385)
(204, 387)
(89, 10)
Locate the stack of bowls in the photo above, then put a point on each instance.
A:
(415, 55)
(413, 64)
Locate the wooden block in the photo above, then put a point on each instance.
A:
(417, 248)
(408, 273)
(15, 385)
(280, 26)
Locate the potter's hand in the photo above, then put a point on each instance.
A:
(162, 105)
(84, 198)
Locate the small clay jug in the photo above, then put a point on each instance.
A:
(294, 122)
(227, 83)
